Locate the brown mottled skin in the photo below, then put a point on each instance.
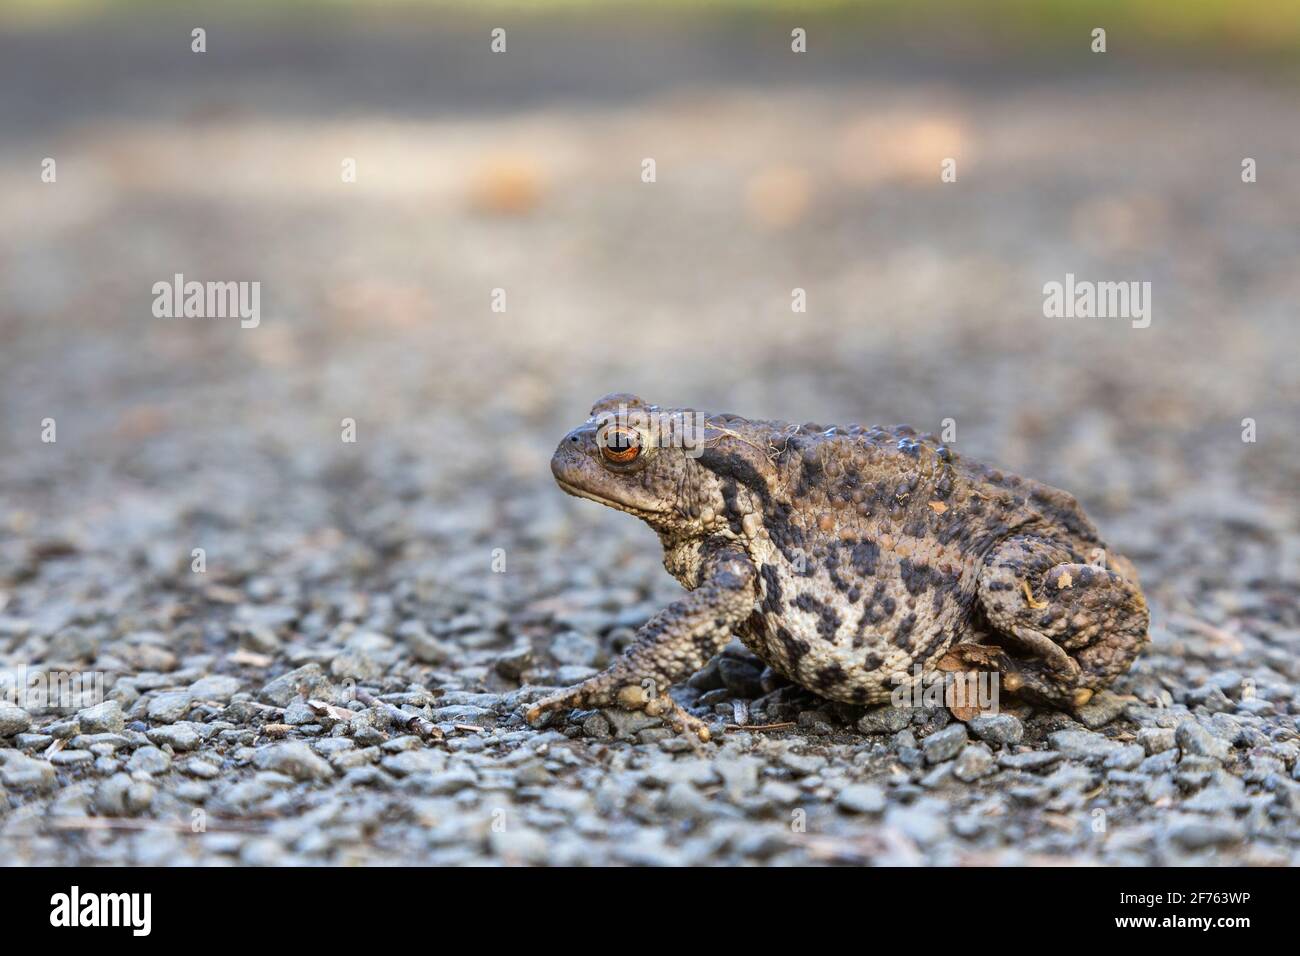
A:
(845, 556)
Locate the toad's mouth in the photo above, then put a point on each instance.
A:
(578, 492)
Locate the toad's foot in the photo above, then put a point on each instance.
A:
(1082, 624)
(675, 715)
(629, 697)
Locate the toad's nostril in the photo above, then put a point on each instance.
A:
(573, 438)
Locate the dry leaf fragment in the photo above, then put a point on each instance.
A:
(251, 658)
(962, 698)
(971, 657)
(220, 594)
(964, 710)
(330, 710)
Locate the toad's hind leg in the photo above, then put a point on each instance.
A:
(671, 646)
(1082, 624)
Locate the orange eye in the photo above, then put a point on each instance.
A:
(620, 445)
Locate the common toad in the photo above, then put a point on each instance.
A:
(845, 557)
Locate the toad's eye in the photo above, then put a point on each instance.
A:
(620, 445)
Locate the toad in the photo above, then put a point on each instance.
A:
(852, 560)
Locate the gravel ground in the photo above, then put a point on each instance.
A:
(342, 682)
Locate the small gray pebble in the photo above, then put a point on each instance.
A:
(139, 796)
(1156, 740)
(975, 761)
(303, 681)
(149, 760)
(24, 773)
(625, 724)
(105, 718)
(862, 798)
(170, 707)
(1196, 834)
(1192, 738)
(596, 727)
(802, 764)
(944, 744)
(1029, 760)
(13, 720)
(575, 649)
(1104, 707)
(997, 728)
(1125, 758)
(885, 720)
(215, 687)
(782, 794)
(179, 736)
(295, 759)
(297, 713)
(200, 768)
(72, 758)
(1082, 744)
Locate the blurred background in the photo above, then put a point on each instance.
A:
(522, 171)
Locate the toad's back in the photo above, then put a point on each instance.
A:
(875, 539)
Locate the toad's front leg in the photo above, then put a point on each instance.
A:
(671, 646)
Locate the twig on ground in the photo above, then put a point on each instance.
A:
(783, 726)
(126, 823)
(414, 722)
